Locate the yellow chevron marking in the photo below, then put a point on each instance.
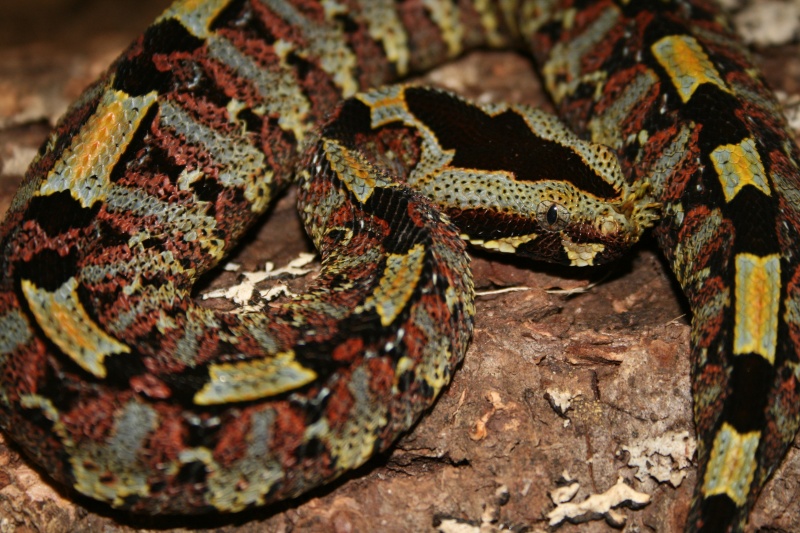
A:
(397, 284)
(687, 64)
(195, 15)
(387, 104)
(386, 27)
(352, 169)
(738, 165)
(732, 464)
(251, 380)
(446, 16)
(65, 321)
(757, 300)
(86, 165)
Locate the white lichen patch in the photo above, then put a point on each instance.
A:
(560, 400)
(599, 506)
(480, 429)
(455, 525)
(769, 22)
(666, 458)
(791, 108)
(18, 162)
(564, 494)
(488, 521)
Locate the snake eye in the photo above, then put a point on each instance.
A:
(552, 216)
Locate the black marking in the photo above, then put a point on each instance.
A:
(301, 66)
(111, 236)
(750, 384)
(715, 110)
(202, 432)
(753, 215)
(314, 407)
(192, 473)
(717, 513)
(186, 384)
(207, 190)
(425, 390)
(348, 25)
(501, 143)
(48, 269)
(59, 212)
(252, 122)
(353, 117)
(405, 381)
(156, 244)
(120, 368)
(393, 206)
(309, 450)
(237, 14)
(61, 387)
(142, 155)
(138, 75)
(37, 417)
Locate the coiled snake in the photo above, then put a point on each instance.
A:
(119, 385)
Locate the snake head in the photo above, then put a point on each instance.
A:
(596, 231)
(512, 178)
(551, 196)
(565, 224)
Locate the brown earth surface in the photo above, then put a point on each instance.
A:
(573, 373)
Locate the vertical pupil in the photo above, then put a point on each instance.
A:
(552, 215)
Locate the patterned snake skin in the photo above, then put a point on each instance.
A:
(118, 384)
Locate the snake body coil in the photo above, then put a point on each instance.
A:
(120, 385)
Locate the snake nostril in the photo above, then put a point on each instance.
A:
(609, 226)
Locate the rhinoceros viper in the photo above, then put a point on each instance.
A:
(118, 384)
